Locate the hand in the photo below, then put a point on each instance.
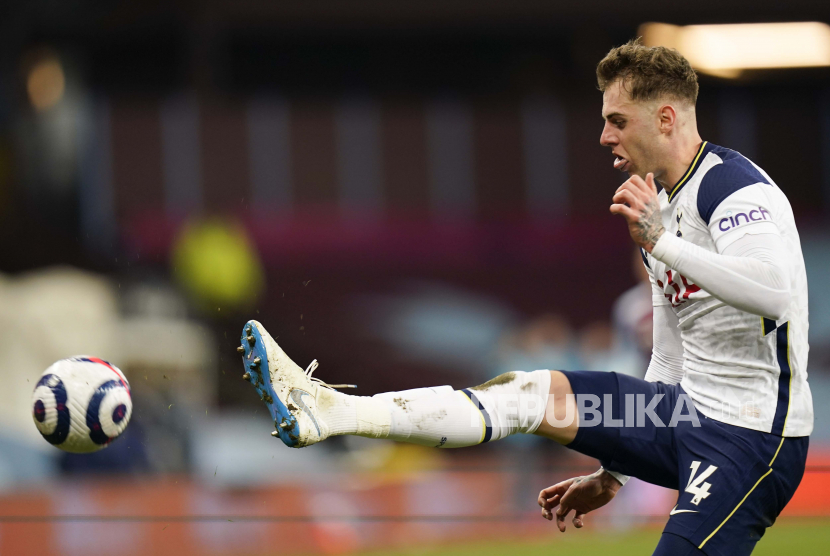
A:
(580, 494)
(636, 200)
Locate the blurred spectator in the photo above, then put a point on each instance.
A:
(600, 351)
(126, 456)
(218, 265)
(544, 343)
(438, 324)
(632, 315)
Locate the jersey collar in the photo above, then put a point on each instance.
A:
(690, 172)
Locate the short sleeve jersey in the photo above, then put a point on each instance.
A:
(740, 368)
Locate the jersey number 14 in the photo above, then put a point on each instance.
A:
(696, 485)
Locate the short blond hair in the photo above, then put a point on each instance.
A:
(648, 73)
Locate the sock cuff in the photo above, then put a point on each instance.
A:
(516, 403)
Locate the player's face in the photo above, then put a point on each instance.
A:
(631, 131)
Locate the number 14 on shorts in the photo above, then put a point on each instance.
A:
(696, 485)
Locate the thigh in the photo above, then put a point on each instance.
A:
(733, 484)
(623, 422)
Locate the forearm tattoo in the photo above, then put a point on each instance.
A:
(649, 225)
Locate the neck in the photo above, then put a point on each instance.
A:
(685, 152)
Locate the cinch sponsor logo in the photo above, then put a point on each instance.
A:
(731, 221)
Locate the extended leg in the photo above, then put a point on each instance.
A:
(305, 411)
(511, 403)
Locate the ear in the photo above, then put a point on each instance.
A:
(667, 116)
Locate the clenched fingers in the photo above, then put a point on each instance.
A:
(627, 196)
(644, 185)
(547, 507)
(629, 213)
(564, 509)
(561, 514)
(556, 490)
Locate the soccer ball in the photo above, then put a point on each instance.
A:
(81, 404)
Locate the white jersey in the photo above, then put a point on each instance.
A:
(739, 368)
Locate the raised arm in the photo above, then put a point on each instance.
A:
(748, 270)
(748, 275)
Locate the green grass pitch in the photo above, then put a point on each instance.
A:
(790, 536)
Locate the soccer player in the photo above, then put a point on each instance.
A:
(724, 412)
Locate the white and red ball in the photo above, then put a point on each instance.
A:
(81, 404)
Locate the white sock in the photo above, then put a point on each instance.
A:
(357, 415)
(442, 417)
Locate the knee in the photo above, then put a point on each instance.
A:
(561, 399)
(560, 386)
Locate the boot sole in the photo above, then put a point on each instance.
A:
(259, 374)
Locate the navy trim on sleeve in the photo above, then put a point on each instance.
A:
(723, 180)
(645, 259)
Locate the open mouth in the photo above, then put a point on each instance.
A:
(621, 164)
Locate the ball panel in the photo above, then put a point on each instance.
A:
(40, 411)
(114, 397)
(50, 415)
(50, 391)
(118, 413)
(99, 414)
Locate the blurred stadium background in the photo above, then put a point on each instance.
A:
(412, 193)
